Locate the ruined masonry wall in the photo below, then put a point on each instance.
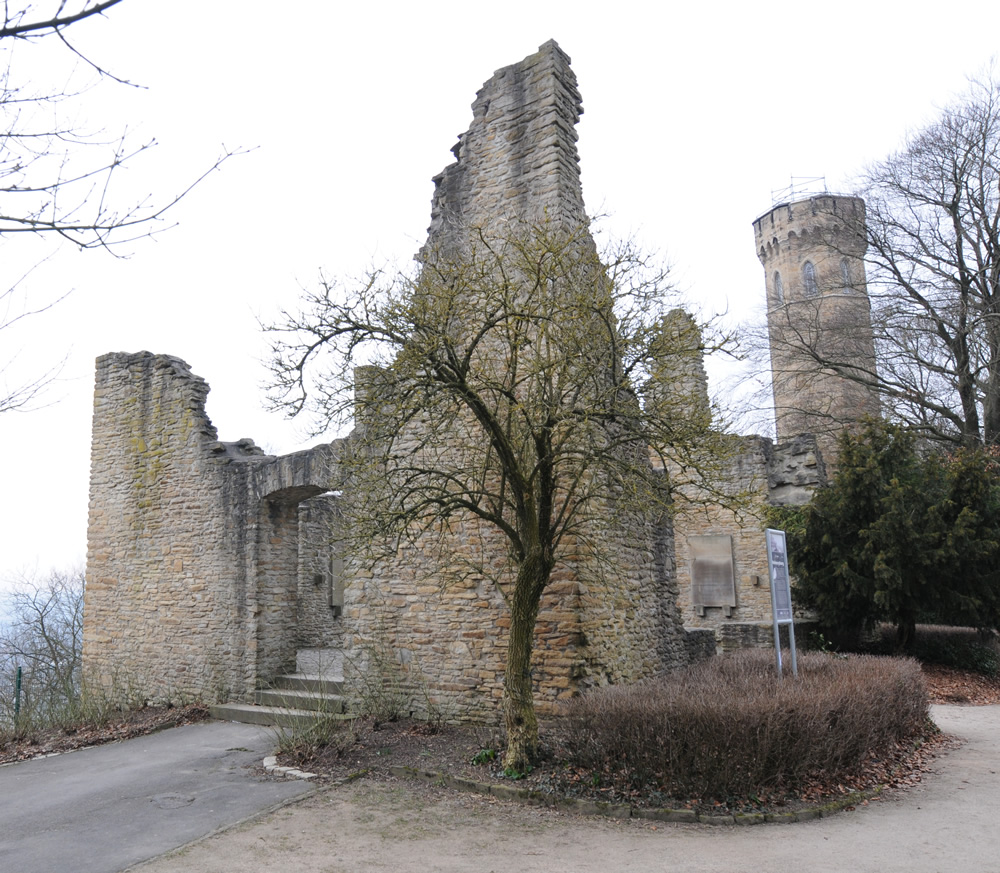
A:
(629, 615)
(748, 468)
(785, 474)
(210, 563)
(518, 158)
(163, 606)
(320, 598)
(424, 624)
(195, 576)
(605, 619)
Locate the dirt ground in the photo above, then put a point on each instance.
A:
(941, 821)
(369, 751)
(944, 823)
(379, 821)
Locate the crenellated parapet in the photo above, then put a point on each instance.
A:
(831, 221)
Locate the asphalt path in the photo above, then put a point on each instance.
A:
(102, 809)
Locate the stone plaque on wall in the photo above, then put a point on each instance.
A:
(713, 582)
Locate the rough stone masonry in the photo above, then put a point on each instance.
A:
(211, 564)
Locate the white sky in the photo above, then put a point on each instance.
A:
(693, 114)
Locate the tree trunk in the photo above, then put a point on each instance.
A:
(520, 721)
(906, 632)
(991, 394)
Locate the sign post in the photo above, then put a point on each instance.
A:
(781, 595)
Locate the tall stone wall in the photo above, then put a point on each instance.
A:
(165, 601)
(518, 159)
(607, 617)
(193, 556)
(769, 475)
(430, 623)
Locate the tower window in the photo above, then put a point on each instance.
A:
(809, 279)
(779, 289)
(845, 276)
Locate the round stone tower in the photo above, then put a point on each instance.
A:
(818, 316)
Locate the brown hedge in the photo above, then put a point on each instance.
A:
(729, 727)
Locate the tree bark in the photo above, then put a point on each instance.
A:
(520, 721)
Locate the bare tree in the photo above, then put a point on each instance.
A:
(517, 383)
(43, 636)
(932, 240)
(57, 180)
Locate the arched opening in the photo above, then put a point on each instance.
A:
(845, 276)
(809, 285)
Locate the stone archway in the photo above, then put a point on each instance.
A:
(286, 556)
(275, 601)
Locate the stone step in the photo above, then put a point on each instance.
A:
(321, 684)
(271, 716)
(299, 698)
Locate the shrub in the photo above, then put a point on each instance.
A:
(328, 734)
(903, 534)
(959, 647)
(729, 727)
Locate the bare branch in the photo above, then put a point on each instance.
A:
(17, 27)
(60, 182)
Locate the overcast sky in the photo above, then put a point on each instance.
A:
(694, 113)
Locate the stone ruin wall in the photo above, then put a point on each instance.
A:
(164, 598)
(773, 475)
(192, 563)
(518, 159)
(210, 564)
(320, 595)
(517, 162)
(207, 577)
(755, 473)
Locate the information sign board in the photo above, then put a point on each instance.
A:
(781, 594)
(777, 565)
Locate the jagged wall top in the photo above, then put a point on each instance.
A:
(518, 158)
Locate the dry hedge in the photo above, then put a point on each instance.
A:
(730, 727)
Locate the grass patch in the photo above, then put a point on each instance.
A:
(730, 728)
(327, 736)
(84, 706)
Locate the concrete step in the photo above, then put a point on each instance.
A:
(298, 698)
(273, 716)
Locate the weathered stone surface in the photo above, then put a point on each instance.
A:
(518, 159)
(771, 475)
(192, 563)
(207, 575)
(211, 564)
